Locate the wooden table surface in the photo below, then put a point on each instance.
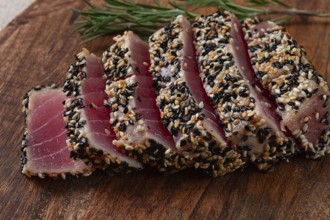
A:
(37, 48)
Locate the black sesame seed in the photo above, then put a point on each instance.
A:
(138, 116)
(114, 122)
(281, 106)
(277, 64)
(73, 154)
(23, 160)
(236, 109)
(196, 132)
(228, 108)
(183, 142)
(243, 93)
(99, 153)
(215, 150)
(174, 131)
(261, 134)
(137, 69)
(83, 142)
(325, 119)
(122, 127)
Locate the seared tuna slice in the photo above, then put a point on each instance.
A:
(90, 136)
(135, 115)
(45, 152)
(246, 115)
(301, 94)
(184, 106)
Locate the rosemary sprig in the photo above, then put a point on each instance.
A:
(144, 19)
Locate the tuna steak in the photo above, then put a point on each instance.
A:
(45, 152)
(135, 115)
(301, 94)
(185, 109)
(90, 136)
(246, 115)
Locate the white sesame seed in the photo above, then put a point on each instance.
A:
(317, 116)
(129, 148)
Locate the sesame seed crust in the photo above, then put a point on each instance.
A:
(239, 108)
(282, 67)
(126, 120)
(180, 113)
(25, 140)
(134, 135)
(75, 120)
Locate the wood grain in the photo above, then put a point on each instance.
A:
(37, 48)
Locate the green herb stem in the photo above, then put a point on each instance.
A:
(117, 16)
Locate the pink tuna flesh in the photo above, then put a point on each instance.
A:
(246, 114)
(146, 107)
(185, 108)
(300, 92)
(195, 84)
(135, 115)
(99, 131)
(46, 149)
(265, 104)
(144, 94)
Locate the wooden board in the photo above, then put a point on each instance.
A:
(37, 48)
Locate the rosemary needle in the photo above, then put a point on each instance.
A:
(117, 16)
